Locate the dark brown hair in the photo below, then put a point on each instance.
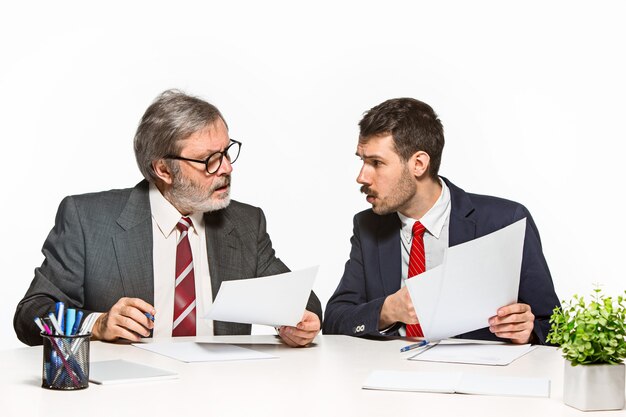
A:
(414, 126)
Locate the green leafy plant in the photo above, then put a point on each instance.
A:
(590, 333)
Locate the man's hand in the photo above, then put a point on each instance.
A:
(514, 322)
(304, 332)
(125, 320)
(397, 307)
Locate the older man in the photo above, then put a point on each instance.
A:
(164, 246)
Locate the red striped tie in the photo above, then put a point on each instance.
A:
(417, 265)
(185, 293)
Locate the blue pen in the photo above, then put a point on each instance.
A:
(151, 318)
(79, 317)
(70, 318)
(60, 314)
(414, 346)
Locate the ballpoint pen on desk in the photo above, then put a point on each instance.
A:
(414, 346)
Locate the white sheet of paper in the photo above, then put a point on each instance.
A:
(119, 371)
(277, 300)
(473, 353)
(202, 352)
(457, 382)
(475, 279)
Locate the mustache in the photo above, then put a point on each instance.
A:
(223, 182)
(368, 191)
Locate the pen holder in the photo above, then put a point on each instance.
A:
(65, 362)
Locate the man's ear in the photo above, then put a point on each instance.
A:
(419, 164)
(163, 171)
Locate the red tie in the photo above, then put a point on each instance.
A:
(417, 265)
(185, 293)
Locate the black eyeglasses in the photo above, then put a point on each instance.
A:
(214, 161)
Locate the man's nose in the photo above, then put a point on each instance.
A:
(225, 167)
(363, 178)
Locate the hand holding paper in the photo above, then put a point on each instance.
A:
(397, 307)
(304, 332)
(476, 280)
(515, 322)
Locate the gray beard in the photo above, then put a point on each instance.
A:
(190, 198)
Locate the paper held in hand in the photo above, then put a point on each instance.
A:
(475, 279)
(278, 300)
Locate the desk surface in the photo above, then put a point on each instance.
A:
(322, 380)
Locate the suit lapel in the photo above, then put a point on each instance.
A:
(226, 262)
(224, 249)
(462, 226)
(133, 245)
(389, 258)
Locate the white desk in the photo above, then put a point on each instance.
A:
(322, 380)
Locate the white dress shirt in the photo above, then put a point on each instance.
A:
(436, 237)
(164, 237)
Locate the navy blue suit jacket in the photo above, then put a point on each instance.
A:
(374, 270)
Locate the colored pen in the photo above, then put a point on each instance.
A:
(414, 346)
(55, 324)
(39, 324)
(79, 317)
(47, 324)
(70, 318)
(60, 314)
(151, 318)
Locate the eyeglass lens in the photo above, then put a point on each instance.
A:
(215, 160)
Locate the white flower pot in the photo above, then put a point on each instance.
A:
(594, 387)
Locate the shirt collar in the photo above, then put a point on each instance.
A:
(167, 216)
(435, 217)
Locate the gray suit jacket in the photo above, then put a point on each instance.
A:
(100, 250)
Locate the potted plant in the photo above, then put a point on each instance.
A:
(592, 337)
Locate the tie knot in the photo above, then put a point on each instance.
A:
(183, 224)
(418, 229)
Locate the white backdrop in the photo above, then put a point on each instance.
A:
(531, 96)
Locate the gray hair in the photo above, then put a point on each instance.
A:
(172, 116)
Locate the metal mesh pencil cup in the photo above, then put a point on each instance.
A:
(65, 362)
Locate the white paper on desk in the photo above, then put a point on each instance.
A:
(457, 382)
(202, 352)
(473, 353)
(475, 279)
(119, 371)
(276, 300)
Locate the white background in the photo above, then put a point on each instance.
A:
(531, 95)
